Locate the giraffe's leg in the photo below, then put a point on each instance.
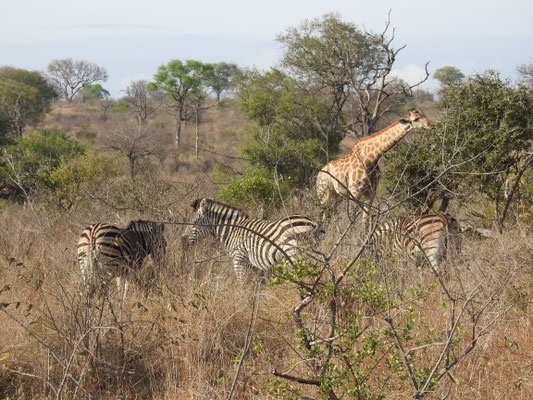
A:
(326, 195)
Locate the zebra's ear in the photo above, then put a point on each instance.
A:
(195, 204)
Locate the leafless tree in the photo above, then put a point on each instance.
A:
(526, 73)
(136, 142)
(144, 103)
(70, 76)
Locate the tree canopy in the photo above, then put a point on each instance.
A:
(181, 81)
(448, 75)
(223, 77)
(70, 76)
(24, 97)
(486, 126)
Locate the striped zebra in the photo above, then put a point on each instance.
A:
(106, 251)
(431, 237)
(256, 243)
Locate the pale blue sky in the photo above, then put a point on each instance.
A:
(131, 38)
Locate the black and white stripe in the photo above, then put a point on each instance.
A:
(256, 243)
(106, 251)
(432, 237)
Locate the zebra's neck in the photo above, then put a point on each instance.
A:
(223, 219)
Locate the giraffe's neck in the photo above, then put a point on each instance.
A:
(374, 146)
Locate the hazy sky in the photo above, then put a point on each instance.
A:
(131, 38)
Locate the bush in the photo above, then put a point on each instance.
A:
(476, 147)
(74, 177)
(256, 185)
(28, 162)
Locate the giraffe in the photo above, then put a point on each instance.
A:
(357, 171)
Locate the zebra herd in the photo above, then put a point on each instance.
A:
(106, 251)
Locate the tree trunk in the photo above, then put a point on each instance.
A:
(132, 167)
(197, 122)
(177, 140)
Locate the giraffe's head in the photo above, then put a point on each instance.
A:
(417, 120)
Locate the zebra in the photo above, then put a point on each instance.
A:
(431, 237)
(106, 251)
(256, 243)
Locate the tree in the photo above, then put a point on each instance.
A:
(476, 148)
(28, 162)
(140, 99)
(223, 77)
(525, 71)
(93, 92)
(179, 81)
(135, 142)
(24, 97)
(5, 129)
(347, 65)
(448, 75)
(288, 137)
(70, 76)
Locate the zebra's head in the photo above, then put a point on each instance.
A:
(200, 226)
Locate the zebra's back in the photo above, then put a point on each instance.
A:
(432, 237)
(266, 243)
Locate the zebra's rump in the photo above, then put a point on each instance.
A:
(102, 242)
(431, 237)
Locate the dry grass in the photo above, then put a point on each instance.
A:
(179, 331)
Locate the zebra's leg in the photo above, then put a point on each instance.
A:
(240, 262)
(122, 286)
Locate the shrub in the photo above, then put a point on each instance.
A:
(74, 177)
(27, 163)
(256, 185)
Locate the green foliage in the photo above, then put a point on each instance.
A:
(24, 97)
(288, 132)
(6, 129)
(359, 350)
(485, 129)
(29, 161)
(256, 185)
(347, 68)
(76, 176)
(93, 92)
(331, 52)
(448, 75)
(121, 107)
(178, 79)
(223, 77)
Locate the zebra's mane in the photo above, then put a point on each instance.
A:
(212, 202)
